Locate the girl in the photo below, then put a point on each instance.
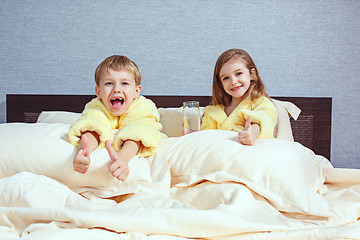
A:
(239, 101)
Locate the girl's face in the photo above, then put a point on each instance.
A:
(117, 90)
(236, 78)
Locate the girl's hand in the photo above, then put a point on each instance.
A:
(249, 134)
(81, 161)
(119, 162)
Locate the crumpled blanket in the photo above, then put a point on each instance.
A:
(205, 186)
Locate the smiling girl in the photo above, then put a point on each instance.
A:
(239, 100)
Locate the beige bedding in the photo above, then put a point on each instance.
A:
(204, 185)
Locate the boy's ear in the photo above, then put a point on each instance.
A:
(138, 90)
(97, 91)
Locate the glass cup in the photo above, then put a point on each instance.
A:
(191, 112)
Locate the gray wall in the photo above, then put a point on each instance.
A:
(302, 48)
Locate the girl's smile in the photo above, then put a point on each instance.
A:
(236, 88)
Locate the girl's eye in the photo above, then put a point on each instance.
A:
(225, 78)
(238, 73)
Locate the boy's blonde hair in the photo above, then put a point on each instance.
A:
(118, 63)
(256, 89)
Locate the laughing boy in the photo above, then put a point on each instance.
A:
(118, 108)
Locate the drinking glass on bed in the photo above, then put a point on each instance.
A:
(191, 112)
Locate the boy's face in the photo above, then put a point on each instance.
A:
(117, 90)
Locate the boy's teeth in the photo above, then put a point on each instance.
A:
(117, 102)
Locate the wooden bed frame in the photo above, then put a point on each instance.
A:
(312, 128)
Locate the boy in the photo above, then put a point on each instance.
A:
(118, 105)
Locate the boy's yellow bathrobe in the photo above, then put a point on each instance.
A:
(261, 110)
(140, 122)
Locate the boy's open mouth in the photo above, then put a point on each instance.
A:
(116, 103)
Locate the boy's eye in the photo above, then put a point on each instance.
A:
(238, 73)
(108, 83)
(125, 83)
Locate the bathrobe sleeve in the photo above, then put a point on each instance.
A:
(95, 117)
(263, 112)
(140, 123)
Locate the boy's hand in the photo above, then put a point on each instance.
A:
(81, 161)
(119, 167)
(250, 133)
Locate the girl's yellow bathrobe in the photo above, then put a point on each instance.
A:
(261, 110)
(140, 122)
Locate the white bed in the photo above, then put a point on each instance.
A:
(204, 185)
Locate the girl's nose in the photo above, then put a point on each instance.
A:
(234, 79)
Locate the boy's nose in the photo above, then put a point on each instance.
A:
(116, 88)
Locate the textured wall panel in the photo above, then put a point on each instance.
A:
(302, 48)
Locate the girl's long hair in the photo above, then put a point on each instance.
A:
(256, 89)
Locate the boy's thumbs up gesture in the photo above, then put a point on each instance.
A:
(81, 161)
(88, 142)
(250, 133)
(119, 162)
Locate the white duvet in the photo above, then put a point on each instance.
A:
(204, 185)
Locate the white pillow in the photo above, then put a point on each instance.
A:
(58, 117)
(286, 110)
(172, 118)
(286, 173)
(44, 149)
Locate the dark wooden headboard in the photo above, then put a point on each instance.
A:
(312, 128)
